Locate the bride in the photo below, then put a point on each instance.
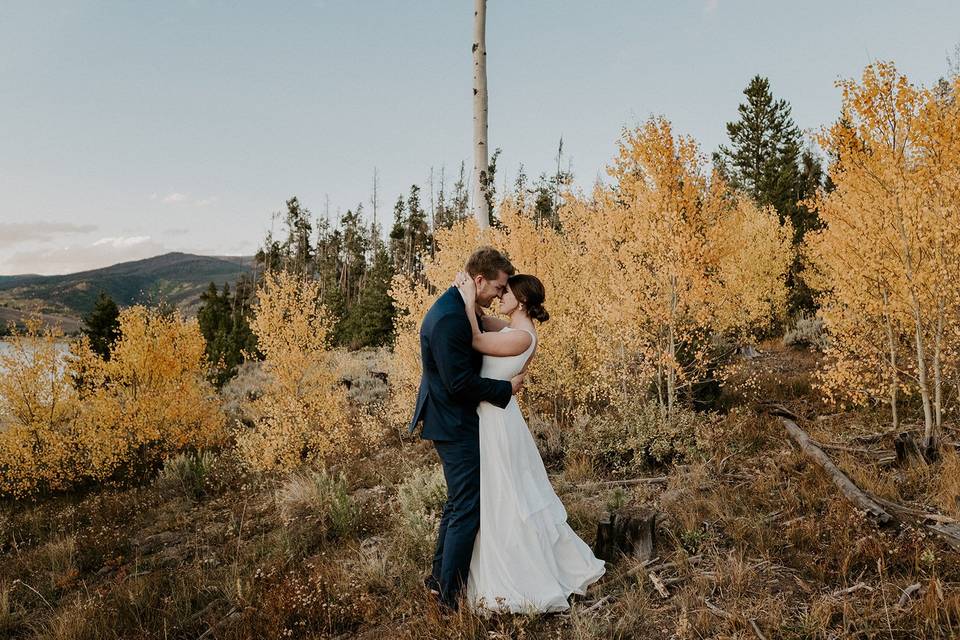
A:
(526, 558)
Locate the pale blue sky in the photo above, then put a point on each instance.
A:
(132, 128)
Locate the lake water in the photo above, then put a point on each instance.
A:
(6, 349)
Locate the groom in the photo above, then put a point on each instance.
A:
(450, 390)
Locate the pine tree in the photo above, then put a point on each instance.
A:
(418, 233)
(224, 323)
(353, 254)
(398, 236)
(297, 247)
(102, 325)
(370, 321)
(766, 162)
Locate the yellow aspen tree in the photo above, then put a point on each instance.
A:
(79, 418)
(750, 252)
(301, 414)
(886, 260)
(150, 399)
(631, 280)
(38, 409)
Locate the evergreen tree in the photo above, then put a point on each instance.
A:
(295, 253)
(491, 187)
(224, 323)
(765, 148)
(297, 248)
(102, 325)
(398, 236)
(417, 234)
(370, 321)
(765, 161)
(353, 254)
(461, 196)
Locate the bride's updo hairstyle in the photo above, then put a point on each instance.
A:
(529, 291)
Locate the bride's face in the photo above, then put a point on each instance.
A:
(509, 302)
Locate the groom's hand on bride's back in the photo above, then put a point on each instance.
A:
(517, 382)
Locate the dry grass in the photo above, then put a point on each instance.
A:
(312, 554)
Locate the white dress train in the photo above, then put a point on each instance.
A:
(526, 558)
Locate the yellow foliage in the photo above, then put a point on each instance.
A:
(661, 258)
(888, 260)
(38, 410)
(301, 415)
(150, 399)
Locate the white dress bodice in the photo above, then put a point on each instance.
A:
(505, 367)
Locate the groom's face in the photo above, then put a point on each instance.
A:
(487, 290)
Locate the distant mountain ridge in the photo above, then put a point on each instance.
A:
(176, 277)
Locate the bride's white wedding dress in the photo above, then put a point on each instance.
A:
(526, 558)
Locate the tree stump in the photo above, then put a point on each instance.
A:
(620, 534)
(906, 448)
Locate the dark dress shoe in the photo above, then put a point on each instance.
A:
(432, 585)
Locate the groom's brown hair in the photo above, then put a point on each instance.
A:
(488, 262)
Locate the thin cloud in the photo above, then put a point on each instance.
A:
(711, 6)
(172, 198)
(175, 197)
(12, 233)
(70, 259)
(121, 241)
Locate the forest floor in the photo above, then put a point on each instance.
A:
(752, 541)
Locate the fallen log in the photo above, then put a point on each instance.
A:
(905, 596)
(846, 486)
(658, 585)
(943, 526)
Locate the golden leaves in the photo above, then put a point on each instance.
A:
(85, 420)
(888, 260)
(301, 414)
(663, 252)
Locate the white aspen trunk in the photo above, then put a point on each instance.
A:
(938, 368)
(928, 435)
(894, 378)
(480, 160)
(672, 349)
(922, 374)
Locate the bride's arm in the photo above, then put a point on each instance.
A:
(492, 323)
(499, 343)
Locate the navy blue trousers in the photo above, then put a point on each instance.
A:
(461, 516)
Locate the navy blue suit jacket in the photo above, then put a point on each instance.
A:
(451, 386)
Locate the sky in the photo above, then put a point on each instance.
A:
(129, 129)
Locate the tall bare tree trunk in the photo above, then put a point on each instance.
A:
(481, 206)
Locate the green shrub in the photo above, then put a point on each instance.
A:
(187, 472)
(639, 436)
(319, 500)
(421, 497)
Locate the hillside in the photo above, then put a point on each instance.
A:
(177, 277)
